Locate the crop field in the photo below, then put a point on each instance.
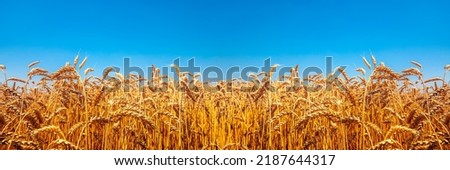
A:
(378, 109)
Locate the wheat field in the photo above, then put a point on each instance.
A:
(378, 109)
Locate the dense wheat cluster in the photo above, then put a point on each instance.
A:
(379, 109)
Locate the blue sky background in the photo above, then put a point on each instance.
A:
(224, 33)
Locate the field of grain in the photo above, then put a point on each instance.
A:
(379, 109)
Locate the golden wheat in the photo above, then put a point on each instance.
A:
(58, 110)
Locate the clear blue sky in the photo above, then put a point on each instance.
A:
(224, 33)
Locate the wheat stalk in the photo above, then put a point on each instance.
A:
(33, 64)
